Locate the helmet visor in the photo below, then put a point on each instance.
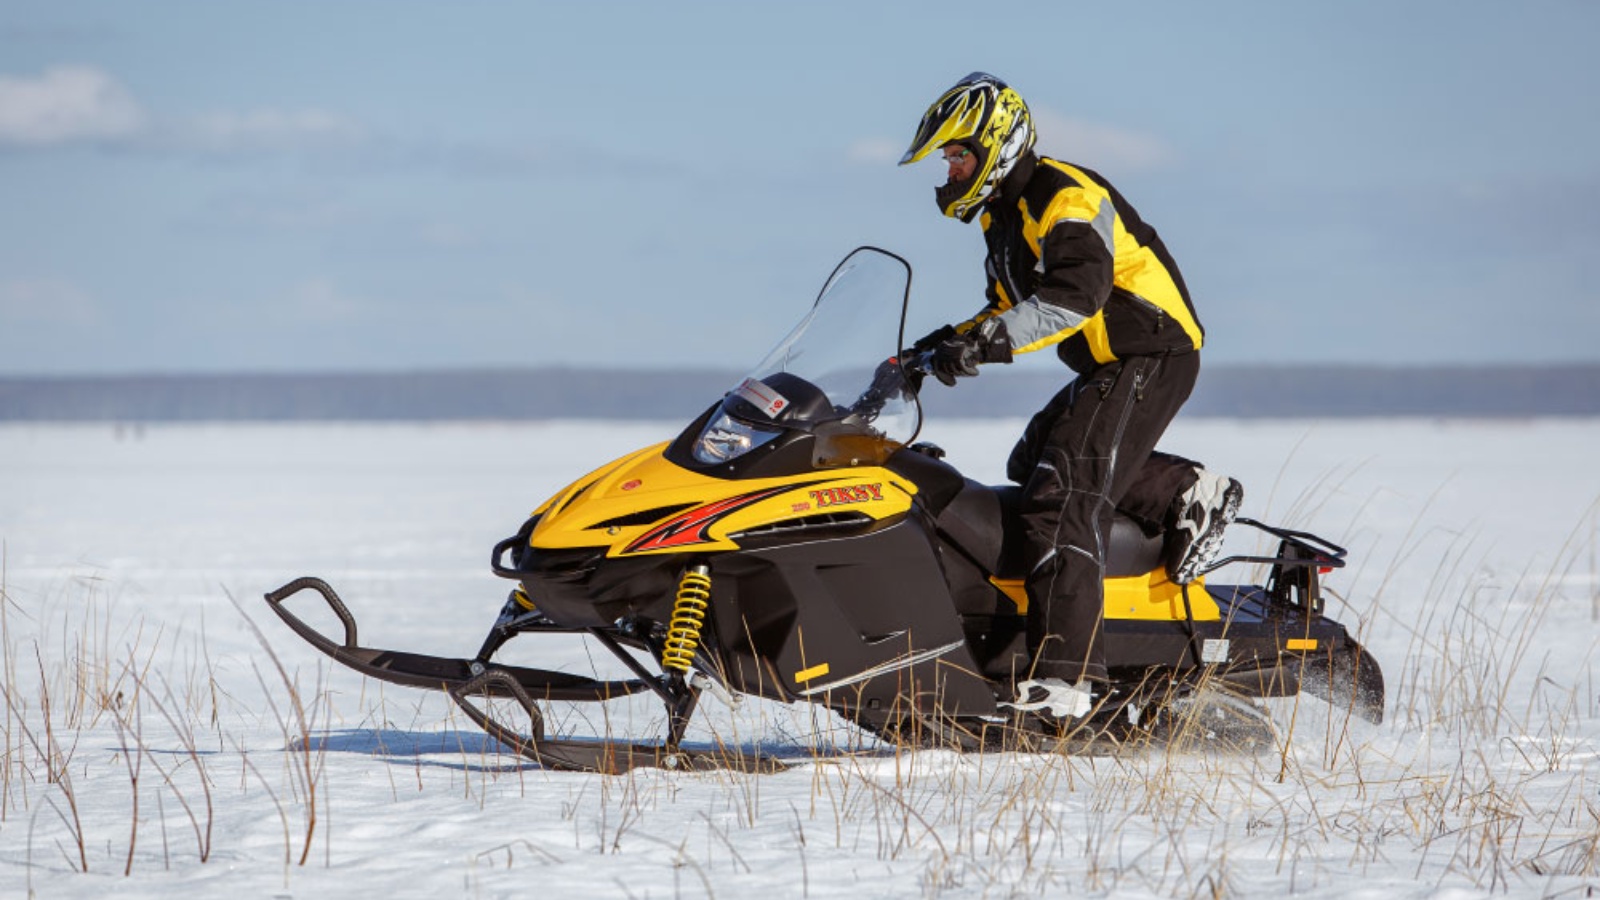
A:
(956, 116)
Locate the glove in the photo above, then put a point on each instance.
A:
(955, 358)
(929, 341)
(959, 356)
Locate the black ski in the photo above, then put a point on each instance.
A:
(605, 757)
(435, 672)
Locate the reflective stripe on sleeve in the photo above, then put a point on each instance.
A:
(1033, 324)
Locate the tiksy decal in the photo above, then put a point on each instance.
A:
(855, 493)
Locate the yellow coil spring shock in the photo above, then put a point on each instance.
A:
(688, 616)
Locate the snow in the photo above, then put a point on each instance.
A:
(151, 739)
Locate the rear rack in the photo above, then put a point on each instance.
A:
(1301, 560)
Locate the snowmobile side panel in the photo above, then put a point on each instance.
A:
(433, 672)
(1149, 596)
(845, 618)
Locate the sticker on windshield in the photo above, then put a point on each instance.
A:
(762, 397)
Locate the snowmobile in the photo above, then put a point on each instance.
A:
(796, 543)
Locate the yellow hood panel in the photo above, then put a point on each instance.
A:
(612, 507)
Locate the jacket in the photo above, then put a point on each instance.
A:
(1071, 264)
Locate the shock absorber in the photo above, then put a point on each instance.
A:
(688, 617)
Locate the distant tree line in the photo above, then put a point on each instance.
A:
(1224, 391)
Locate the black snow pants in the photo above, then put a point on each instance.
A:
(1088, 453)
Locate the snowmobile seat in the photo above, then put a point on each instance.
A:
(984, 522)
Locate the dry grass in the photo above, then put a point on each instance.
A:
(1480, 777)
(98, 677)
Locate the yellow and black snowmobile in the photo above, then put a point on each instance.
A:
(795, 543)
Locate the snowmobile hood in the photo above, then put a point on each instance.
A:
(646, 504)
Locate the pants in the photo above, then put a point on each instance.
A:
(1089, 452)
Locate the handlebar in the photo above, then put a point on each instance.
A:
(919, 363)
(898, 375)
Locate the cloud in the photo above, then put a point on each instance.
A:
(1096, 145)
(67, 104)
(74, 104)
(46, 301)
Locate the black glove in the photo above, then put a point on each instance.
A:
(955, 358)
(929, 341)
(959, 356)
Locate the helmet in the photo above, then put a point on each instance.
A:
(985, 115)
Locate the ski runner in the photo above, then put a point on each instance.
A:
(1070, 264)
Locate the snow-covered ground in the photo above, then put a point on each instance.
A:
(152, 746)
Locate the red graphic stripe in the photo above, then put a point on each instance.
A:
(691, 528)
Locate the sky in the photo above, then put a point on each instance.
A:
(360, 186)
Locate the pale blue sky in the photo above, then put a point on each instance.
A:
(223, 186)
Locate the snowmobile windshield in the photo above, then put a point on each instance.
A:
(835, 374)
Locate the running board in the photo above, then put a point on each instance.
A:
(437, 672)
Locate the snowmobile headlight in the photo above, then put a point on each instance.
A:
(727, 438)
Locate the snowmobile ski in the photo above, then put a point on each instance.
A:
(606, 757)
(435, 672)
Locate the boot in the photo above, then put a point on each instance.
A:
(1200, 515)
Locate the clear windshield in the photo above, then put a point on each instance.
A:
(836, 369)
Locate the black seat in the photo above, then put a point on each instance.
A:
(983, 521)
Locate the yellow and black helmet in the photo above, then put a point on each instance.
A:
(987, 117)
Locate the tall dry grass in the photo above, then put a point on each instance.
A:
(1481, 776)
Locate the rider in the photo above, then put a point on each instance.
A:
(1071, 264)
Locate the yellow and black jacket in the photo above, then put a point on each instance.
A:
(1071, 263)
